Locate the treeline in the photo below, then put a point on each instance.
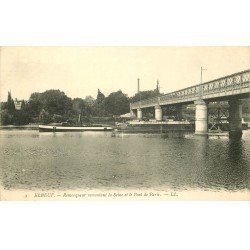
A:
(55, 106)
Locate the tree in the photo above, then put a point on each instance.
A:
(52, 101)
(117, 103)
(21, 117)
(142, 95)
(100, 97)
(55, 102)
(10, 105)
(78, 105)
(8, 111)
(35, 104)
(90, 100)
(23, 105)
(6, 117)
(45, 117)
(90, 105)
(98, 108)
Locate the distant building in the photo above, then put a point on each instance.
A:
(18, 104)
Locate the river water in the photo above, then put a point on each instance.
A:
(101, 160)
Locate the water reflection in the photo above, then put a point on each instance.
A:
(235, 150)
(226, 165)
(90, 160)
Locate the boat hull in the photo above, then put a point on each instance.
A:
(44, 128)
(156, 127)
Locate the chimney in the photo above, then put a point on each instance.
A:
(158, 86)
(138, 85)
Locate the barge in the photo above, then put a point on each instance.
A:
(137, 126)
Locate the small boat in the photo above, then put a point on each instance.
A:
(63, 128)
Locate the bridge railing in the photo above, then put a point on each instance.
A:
(232, 82)
(229, 83)
(180, 94)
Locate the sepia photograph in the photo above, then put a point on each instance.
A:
(124, 123)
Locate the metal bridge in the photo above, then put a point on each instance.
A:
(237, 84)
(231, 88)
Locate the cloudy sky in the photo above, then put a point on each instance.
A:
(80, 71)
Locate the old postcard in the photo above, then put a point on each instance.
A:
(124, 123)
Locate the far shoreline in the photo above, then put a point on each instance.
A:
(29, 126)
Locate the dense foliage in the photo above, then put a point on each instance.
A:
(145, 95)
(116, 103)
(56, 106)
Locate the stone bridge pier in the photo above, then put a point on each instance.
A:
(158, 113)
(201, 121)
(139, 114)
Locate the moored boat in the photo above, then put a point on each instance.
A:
(155, 126)
(60, 128)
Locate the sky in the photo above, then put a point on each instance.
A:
(80, 71)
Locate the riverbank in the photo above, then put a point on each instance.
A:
(29, 126)
(36, 126)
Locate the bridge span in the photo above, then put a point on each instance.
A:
(231, 88)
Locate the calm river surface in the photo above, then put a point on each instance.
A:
(98, 160)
